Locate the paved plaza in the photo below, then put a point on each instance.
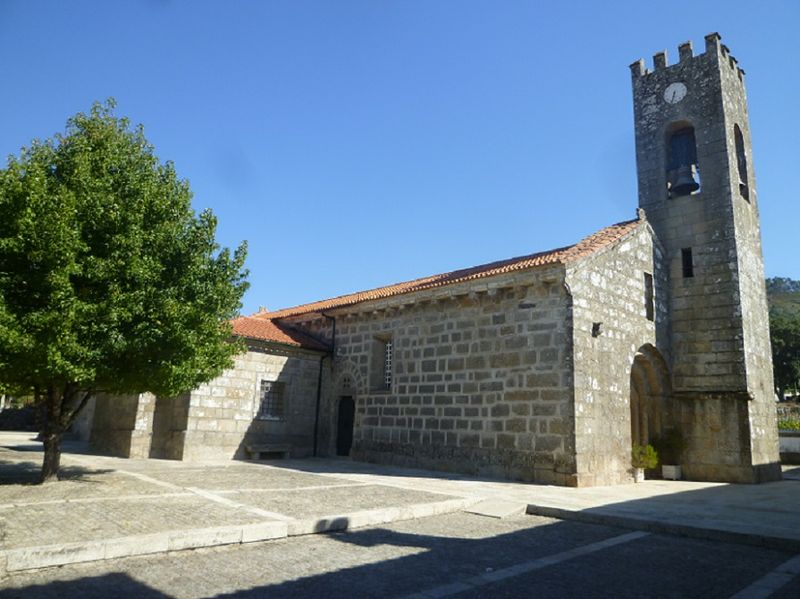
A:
(105, 509)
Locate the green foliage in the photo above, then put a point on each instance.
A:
(790, 424)
(108, 279)
(670, 447)
(644, 456)
(785, 338)
(784, 321)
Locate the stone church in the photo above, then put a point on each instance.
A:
(546, 367)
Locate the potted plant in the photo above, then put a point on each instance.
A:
(643, 457)
(670, 447)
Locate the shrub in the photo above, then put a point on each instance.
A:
(644, 456)
(790, 424)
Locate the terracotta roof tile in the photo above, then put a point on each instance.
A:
(586, 246)
(275, 332)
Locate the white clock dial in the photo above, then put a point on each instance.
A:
(675, 92)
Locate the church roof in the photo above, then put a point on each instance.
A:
(564, 255)
(274, 332)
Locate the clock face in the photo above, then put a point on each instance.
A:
(675, 92)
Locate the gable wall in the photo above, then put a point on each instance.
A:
(608, 288)
(222, 413)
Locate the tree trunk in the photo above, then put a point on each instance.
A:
(51, 432)
(52, 456)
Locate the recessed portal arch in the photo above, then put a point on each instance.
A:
(650, 390)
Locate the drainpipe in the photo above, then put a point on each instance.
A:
(319, 380)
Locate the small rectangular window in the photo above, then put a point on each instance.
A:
(381, 363)
(271, 406)
(649, 297)
(688, 263)
(387, 365)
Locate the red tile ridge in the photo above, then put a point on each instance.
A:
(563, 255)
(262, 329)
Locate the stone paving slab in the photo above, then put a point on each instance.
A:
(45, 524)
(498, 508)
(238, 477)
(322, 502)
(110, 507)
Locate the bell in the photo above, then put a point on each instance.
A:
(685, 183)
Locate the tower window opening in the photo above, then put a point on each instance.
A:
(682, 170)
(649, 297)
(688, 263)
(741, 162)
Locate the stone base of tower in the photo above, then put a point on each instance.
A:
(722, 430)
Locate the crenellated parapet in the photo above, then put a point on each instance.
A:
(713, 48)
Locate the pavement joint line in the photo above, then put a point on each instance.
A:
(707, 531)
(151, 480)
(240, 506)
(408, 486)
(48, 556)
(287, 489)
(472, 583)
(771, 582)
(7, 506)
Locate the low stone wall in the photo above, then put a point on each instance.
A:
(790, 446)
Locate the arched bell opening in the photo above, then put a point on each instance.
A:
(682, 168)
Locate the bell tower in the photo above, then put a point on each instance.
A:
(697, 187)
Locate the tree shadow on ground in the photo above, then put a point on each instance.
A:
(643, 567)
(16, 472)
(116, 584)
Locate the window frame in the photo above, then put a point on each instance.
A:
(265, 408)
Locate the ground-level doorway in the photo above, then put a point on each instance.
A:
(344, 429)
(649, 392)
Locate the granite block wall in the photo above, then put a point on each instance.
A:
(222, 414)
(481, 378)
(608, 292)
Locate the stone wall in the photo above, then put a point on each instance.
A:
(222, 414)
(720, 357)
(123, 425)
(82, 426)
(764, 452)
(608, 289)
(218, 419)
(169, 427)
(481, 377)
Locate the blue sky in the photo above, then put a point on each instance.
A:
(362, 143)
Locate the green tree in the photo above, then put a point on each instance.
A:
(109, 281)
(785, 335)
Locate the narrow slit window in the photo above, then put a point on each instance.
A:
(741, 162)
(649, 297)
(387, 365)
(381, 364)
(688, 263)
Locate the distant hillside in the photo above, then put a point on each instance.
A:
(783, 295)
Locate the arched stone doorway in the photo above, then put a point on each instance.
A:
(650, 390)
(347, 386)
